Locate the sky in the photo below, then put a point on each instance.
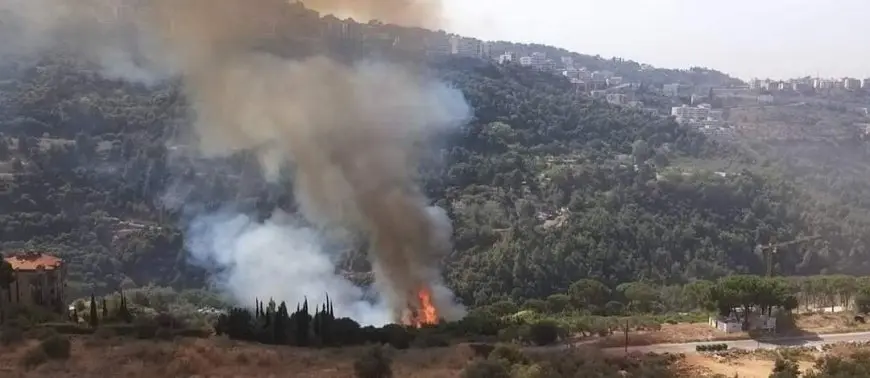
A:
(775, 39)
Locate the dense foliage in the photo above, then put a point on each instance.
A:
(545, 188)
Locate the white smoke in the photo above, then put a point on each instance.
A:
(279, 259)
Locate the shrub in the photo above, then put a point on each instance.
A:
(397, 336)
(11, 335)
(487, 369)
(533, 371)
(56, 347)
(544, 333)
(374, 363)
(43, 334)
(164, 334)
(34, 357)
(509, 353)
(199, 333)
(69, 328)
(145, 328)
(429, 339)
(711, 347)
(481, 350)
(105, 333)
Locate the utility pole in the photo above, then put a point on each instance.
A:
(625, 329)
(772, 246)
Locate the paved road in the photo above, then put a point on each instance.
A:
(813, 340)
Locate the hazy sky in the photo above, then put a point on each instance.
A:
(745, 38)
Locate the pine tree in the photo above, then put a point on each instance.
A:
(93, 319)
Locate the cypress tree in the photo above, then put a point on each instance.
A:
(123, 311)
(105, 309)
(93, 320)
(318, 318)
(280, 329)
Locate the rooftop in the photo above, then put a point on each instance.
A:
(33, 261)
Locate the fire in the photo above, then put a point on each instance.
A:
(425, 312)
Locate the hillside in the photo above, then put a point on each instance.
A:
(544, 187)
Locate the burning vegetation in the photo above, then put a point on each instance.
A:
(423, 312)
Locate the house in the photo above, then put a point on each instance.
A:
(40, 280)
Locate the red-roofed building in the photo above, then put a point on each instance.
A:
(40, 280)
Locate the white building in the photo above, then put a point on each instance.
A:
(525, 60)
(851, 84)
(754, 84)
(568, 61)
(866, 84)
(615, 80)
(799, 86)
(617, 98)
(672, 90)
(466, 47)
(539, 60)
(505, 58)
(703, 114)
(823, 83)
(765, 99)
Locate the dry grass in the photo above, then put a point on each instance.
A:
(750, 367)
(222, 358)
(671, 333)
(690, 332)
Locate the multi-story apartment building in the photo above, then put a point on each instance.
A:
(467, 47)
(438, 45)
(672, 90)
(754, 84)
(851, 84)
(696, 114)
(617, 98)
(539, 59)
(525, 60)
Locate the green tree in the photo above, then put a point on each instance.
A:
(5, 153)
(639, 296)
(588, 292)
(7, 277)
(92, 319)
(558, 303)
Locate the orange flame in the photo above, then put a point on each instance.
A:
(424, 313)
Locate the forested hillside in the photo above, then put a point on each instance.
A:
(545, 188)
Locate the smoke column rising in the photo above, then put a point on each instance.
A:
(353, 134)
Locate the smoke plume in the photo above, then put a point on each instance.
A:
(352, 134)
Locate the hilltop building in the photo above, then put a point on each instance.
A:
(40, 280)
(851, 84)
